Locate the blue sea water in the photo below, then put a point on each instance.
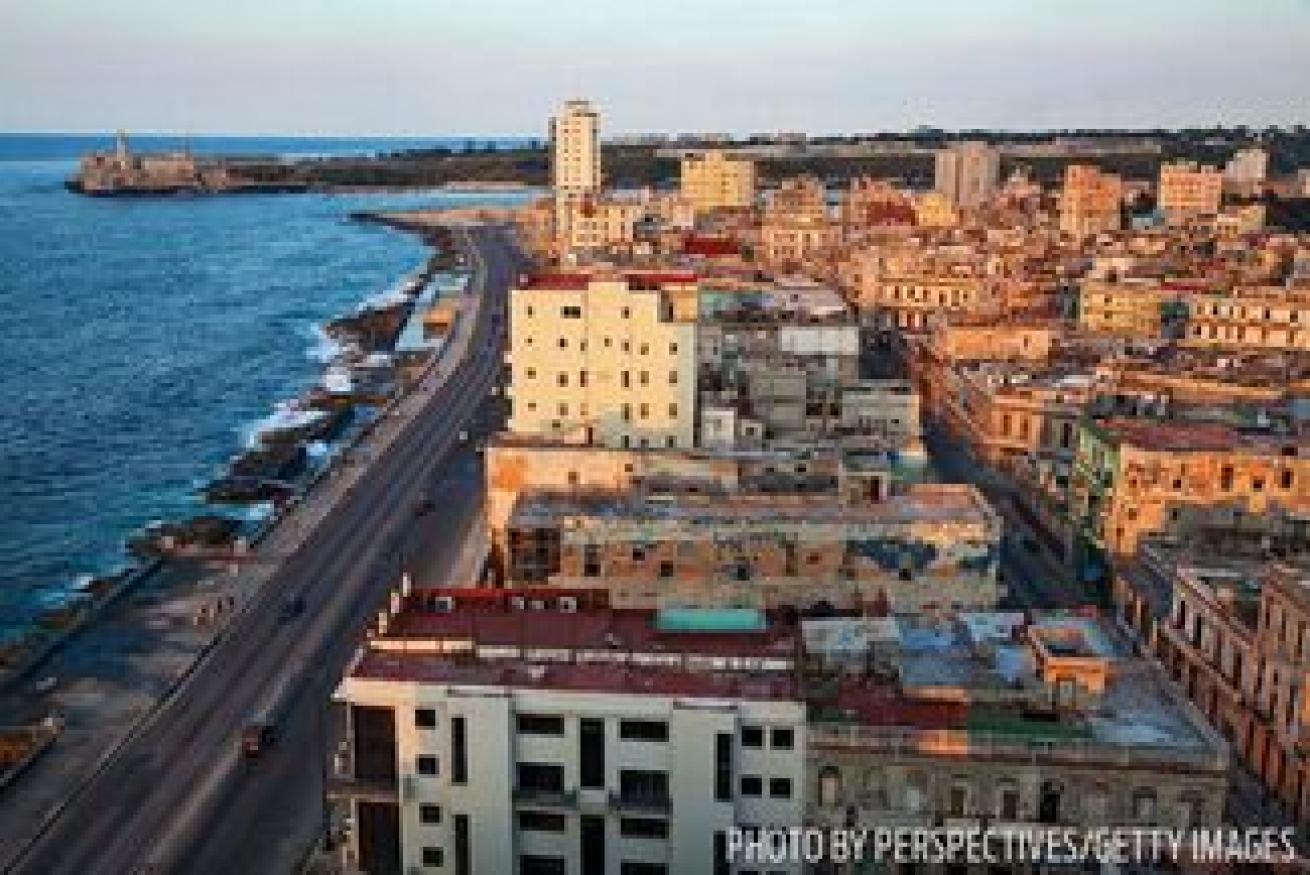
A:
(140, 338)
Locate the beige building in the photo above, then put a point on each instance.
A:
(1127, 308)
(1187, 189)
(1230, 628)
(932, 209)
(968, 173)
(575, 173)
(1090, 201)
(716, 179)
(995, 721)
(1254, 318)
(932, 547)
(605, 360)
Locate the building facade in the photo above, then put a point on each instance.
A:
(716, 179)
(968, 174)
(604, 360)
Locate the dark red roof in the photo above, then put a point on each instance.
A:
(710, 247)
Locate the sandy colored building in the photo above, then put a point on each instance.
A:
(798, 199)
(932, 209)
(999, 722)
(1128, 308)
(1090, 201)
(792, 245)
(575, 172)
(1136, 477)
(1230, 629)
(716, 179)
(607, 360)
(967, 174)
(1187, 189)
(933, 547)
(1252, 317)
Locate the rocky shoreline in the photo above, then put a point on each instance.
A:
(283, 460)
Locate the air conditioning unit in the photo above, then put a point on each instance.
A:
(444, 603)
(568, 604)
(518, 603)
(538, 605)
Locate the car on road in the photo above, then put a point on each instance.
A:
(291, 608)
(256, 738)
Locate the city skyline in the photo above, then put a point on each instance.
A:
(297, 68)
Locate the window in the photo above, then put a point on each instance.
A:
(626, 413)
(666, 568)
(782, 739)
(563, 343)
(723, 766)
(643, 730)
(1285, 479)
(433, 858)
(625, 313)
(527, 312)
(644, 349)
(541, 777)
(1144, 805)
(591, 752)
(673, 378)
(643, 411)
(533, 864)
(752, 736)
(541, 821)
(570, 312)
(426, 764)
(643, 828)
(673, 411)
(752, 785)
(644, 378)
(540, 724)
(780, 788)
(429, 813)
(459, 772)
(643, 784)
(463, 849)
(673, 349)
(425, 718)
(633, 867)
(530, 373)
(562, 379)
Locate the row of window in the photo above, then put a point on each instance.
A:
(629, 730)
(643, 412)
(629, 827)
(625, 346)
(562, 378)
(753, 786)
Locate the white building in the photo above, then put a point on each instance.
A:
(501, 732)
(1247, 167)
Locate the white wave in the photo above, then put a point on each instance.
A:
(318, 449)
(337, 380)
(326, 348)
(260, 510)
(287, 414)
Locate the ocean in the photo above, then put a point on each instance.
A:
(143, 339)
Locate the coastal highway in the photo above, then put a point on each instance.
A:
(176, 796)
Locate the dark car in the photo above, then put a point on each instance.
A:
(291, 608)
(257, 737)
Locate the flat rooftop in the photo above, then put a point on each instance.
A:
(923, 503)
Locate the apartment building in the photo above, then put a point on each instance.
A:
(1131, 307)
(1135, 477)
(967, 174)
(1246, 171)
(1266, 317)
(604, 359)
(492, 731)
(716, 179)
(998, 721)
(1090, 202)
(1228, 625)
(875, 203)
(803, 244)
(1186, 189)
(797, 199)
(575, 172)
(599, 224)
(930, 547)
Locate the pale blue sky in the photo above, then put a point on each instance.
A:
(433, 67)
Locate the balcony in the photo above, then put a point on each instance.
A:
(641, 803)
(546, 797)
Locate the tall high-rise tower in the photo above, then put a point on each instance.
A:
(575, 160)
(967, 173)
